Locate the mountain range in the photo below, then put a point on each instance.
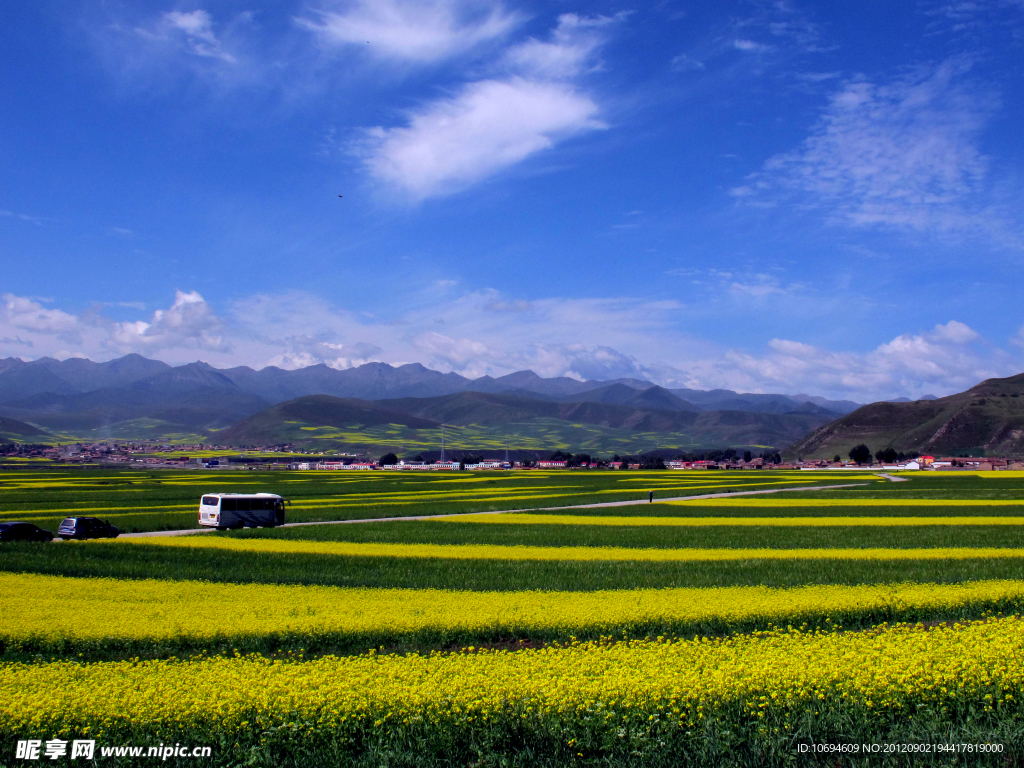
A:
(482, 421)
(133, 397)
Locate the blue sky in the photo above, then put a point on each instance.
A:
(764, 196)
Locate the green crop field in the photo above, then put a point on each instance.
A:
(783, 609)
(169, 500)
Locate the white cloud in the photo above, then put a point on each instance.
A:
(749, 46)
(956, 332)
(24, 314)
(485, 128)
(949, 358)
(904, 154)
(196, 27)
(490, 125)
(189, 323)
(415, 30)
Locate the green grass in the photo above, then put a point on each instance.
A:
(137, 561)
(141, 500)
(711, 510)
(929, 485)
(773, 537)
(538, 434)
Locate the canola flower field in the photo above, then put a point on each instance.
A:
(744, 699)
(703, 629)
(115, 616)
(492, 552)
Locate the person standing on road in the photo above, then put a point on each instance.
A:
(650, 497)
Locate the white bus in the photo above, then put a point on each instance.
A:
(235, 510)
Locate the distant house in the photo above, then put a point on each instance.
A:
(551, 464)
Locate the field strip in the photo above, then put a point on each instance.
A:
(893, 672)
(894, 502)
(183, 532)
(11, 515)
(732, 521)
(703, 496)
(498, 552)
(34, 606)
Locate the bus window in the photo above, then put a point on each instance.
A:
(228, 505)
(243, 505)
(210, 501)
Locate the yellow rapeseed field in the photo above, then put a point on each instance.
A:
(600, 685)
(34, 608)
(498, 552)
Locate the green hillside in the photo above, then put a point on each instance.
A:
(291, 421)
(484, 422)
(987, 419)
(19, 431)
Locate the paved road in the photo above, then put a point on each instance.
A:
(508, 511)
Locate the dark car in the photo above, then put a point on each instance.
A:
(15, 530)
(86, 528)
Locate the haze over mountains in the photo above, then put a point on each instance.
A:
(135, 398)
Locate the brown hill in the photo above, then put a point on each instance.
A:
(987, 419)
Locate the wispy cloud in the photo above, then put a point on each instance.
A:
(158, 51)
(412, 30)
(190, 33)
(195, 29)
(750, 46)
(904, 154)
(566, 54)
(22, 217)
(489, 125)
